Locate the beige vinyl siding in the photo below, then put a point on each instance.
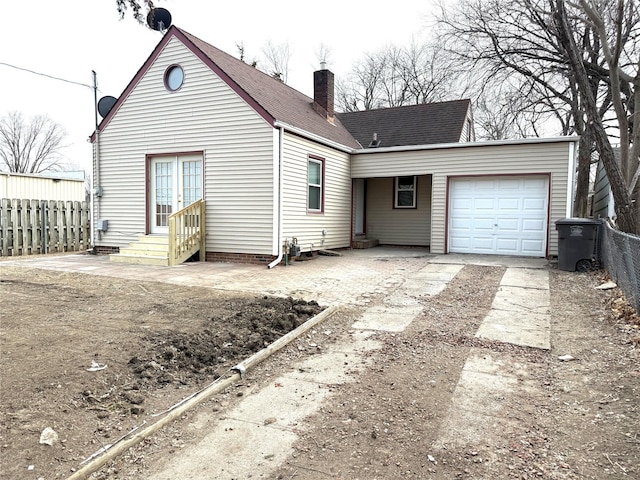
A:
(204, 115)
(398, 226)
(545, 157)
(336, 219)
(36, 187)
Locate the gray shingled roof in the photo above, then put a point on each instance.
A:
(425, 124)
(282, 102)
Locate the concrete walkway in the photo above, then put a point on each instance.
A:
(259, 433)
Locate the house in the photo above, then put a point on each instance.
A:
(208, 154)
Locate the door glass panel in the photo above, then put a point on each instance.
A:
(191, 182)
(163, 193)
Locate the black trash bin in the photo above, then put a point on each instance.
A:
(577, 244)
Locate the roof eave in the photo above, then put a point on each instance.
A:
(442, 146)
(316, 138)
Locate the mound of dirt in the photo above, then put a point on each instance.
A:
(174, 356)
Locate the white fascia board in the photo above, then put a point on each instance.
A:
(443, 146)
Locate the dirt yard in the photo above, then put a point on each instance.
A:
(90, 357)
(159, 342)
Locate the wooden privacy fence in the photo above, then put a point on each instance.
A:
(29, 227)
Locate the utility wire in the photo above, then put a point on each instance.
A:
(45, 75)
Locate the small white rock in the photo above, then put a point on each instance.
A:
(431, 459)
(606, 286)
(566, 358)
(48, 436)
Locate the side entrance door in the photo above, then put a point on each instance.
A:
(176, 182)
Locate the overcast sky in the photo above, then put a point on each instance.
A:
(70, 39)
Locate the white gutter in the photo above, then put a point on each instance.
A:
(95, 162)
(314, 137)
(442, 146)
(277, 217)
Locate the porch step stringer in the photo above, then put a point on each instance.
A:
(147, 250)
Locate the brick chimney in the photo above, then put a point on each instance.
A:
(323, 92)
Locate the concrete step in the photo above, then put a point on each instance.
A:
(359, 242)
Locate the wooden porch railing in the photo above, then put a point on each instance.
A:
(186, 233)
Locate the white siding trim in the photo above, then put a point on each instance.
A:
(571, 179)
(277, 182)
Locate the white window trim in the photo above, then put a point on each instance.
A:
(320, 185)
(396, 190)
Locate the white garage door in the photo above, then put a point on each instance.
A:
(499, 215)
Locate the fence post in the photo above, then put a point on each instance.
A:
(43, 228)
(24, 223)
(34, 226)
(4, 227)
(84, 225)
(15, 227)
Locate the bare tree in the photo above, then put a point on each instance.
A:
(395, 76)
(30, 146)
(617, 26)
(277, 59)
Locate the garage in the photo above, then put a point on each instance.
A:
(501, 215)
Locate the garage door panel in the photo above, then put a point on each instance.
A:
(484, 204)
(509, 225)
(533, 225)
(507, 246)
(537, 184)
(462, 204)
(499, 215)
(506, 184)
(482, 224)
(460, 242)
(483, 244)
(486, 185)
(533, 204)
(509, 204)
(532, 246)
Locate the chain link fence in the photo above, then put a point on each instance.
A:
(620, 256)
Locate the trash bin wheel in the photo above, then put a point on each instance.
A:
(584, 265)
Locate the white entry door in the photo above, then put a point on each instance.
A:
(176, 182)
(499, 215)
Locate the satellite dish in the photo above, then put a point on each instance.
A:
(159, 19)
(105, 104)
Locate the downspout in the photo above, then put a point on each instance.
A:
(95, 199)
(278, 226)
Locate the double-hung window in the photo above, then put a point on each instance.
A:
(405, 192)
(315, 185)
